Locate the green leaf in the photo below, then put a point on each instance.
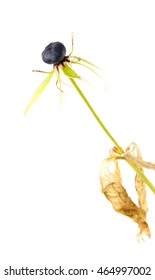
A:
(79, 59)
(90, 69)
(86, 61)
(69, 72)
(39, 90)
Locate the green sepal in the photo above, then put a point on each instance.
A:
(69, 72)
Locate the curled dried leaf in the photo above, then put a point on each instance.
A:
(139, 162)
(134, 151)
(141, 191)
(109, 173)
(112, 188)
(144, 231)
(134, 155)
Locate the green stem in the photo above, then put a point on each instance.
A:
(96, 116)
(141, 174)
(135, 168)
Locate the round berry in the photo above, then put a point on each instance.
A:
(54, 53)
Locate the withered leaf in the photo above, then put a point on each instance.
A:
(112, 188)
(134, 155)
(134, 151)
(141, 191)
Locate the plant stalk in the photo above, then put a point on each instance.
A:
(96, 116)
(120, 150)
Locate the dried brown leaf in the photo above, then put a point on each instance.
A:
(110, 172)
(134, 151)
(141, 191)
(138, 162)
(111, 187)
(134, 155)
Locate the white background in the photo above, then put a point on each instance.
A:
(51, 210)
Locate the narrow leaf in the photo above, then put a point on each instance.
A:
(90, 70)
(86, 61)
(39, 90)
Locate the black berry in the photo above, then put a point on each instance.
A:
(54, 53)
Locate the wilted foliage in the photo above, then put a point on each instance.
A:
(112, 188)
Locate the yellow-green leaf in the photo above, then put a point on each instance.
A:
(90, 70)
(39, 90)
(86, 61)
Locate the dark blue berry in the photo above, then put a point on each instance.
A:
(54, 53)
